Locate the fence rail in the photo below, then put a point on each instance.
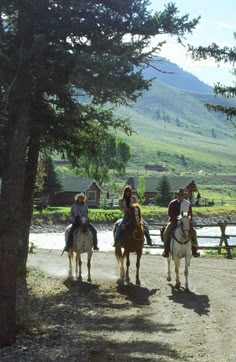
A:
(223, 237)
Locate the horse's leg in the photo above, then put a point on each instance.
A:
(79, 261)
(89, 266)
(70, 264)
(187, 263)
(177, 265)
(76, 265)
(127, 279)
(122, 269)
(168, 269)
(139, 254)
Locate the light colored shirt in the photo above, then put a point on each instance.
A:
(78, 210)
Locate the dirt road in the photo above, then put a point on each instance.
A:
(104, 322)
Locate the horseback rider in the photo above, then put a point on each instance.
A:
(126, 201)
(79, 209)
(175, 208)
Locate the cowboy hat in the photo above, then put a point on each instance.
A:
(180, 192)
(81, 194)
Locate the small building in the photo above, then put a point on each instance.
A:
(72, 185)
(176, 182)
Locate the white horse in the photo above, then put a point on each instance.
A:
(180, 247)
(82, 243)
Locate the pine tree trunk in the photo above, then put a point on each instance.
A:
(12, 192)
(30, 176)
(11, 208)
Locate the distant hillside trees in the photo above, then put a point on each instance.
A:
(101, 157)
(163, 196)
(226, 55)
(141, 189)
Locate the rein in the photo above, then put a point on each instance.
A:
(134, 235)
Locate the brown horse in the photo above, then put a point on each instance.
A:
(131, 241)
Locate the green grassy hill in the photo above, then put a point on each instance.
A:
(173, 128)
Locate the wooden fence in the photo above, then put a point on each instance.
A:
(223, 237)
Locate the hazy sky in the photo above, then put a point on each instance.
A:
(217, 24)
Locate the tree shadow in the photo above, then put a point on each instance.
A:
(136, 294)
(80, 323)
(198, 303)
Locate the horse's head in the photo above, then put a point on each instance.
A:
(184, 223)
(135, 213)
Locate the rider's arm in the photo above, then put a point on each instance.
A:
(190, 212)
(74, 212)
(122, 205)
(171, 211)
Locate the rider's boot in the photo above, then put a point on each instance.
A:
(68, 246)
(95, 244)
(195, 253)
(148, 237)
(166, 251)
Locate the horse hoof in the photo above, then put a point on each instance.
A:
(138, 282)
(89, 280)
(177, 285)
(187, 290)
(168, 279)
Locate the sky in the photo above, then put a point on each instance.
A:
(217, 25)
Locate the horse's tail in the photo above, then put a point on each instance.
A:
(118, 254)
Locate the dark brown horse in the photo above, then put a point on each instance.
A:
(131, 241)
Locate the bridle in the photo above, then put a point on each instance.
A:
(184, 233)
(136, 231)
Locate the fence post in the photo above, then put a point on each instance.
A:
(224, 238)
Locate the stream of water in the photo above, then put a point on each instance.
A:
(56, 241)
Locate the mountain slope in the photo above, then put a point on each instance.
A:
(173, 128)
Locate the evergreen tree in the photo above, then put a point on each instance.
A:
(163, 196)
(220, 54)
(52, 182)
(141, 189)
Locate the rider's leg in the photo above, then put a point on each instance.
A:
(95, 239)
(119, 229)
(194, 242)
(147, 233)
(69, 241)
(117, 232)
(167, 238)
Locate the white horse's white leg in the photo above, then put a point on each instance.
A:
(70, 264)
(89, 266)
(177, 265)
(168, 269)
(76, 265)
(186, 273)
(79, 261)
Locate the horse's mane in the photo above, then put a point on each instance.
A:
(136, 205)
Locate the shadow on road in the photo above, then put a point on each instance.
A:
(198, 303)
(136, 294)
